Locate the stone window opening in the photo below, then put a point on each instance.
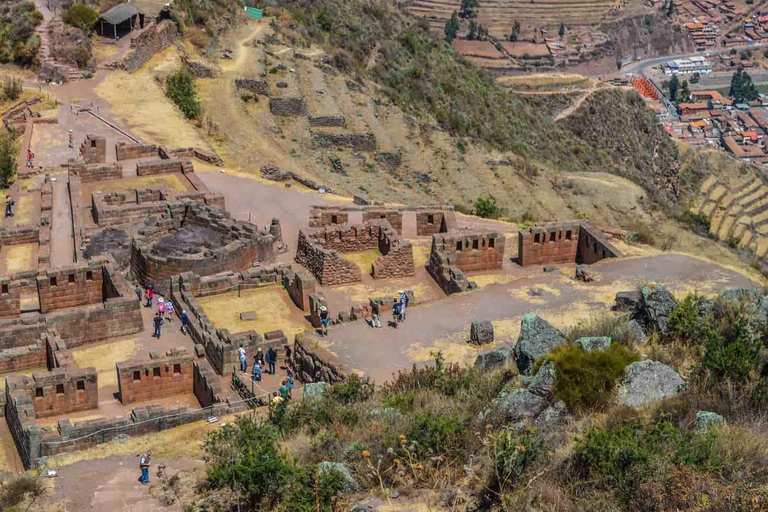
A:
(334, 219)
(136, 376)
(81, 385)
(93, 143)
(54, 281)
(458, 245)
(177, 369)
(491, 243)
(537, 238)
(39, 392)
(71, 278)
(475, 244)
(156, 372)
(553, 236)
(568, 235)
(59, 389)
(5, 288)
(430, 219)
(89, 275)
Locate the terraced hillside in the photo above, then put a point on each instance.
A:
(737, 211)
(499, 15)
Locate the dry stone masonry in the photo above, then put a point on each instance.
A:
(561, 242)
(454, 254)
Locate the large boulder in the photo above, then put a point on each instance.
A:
(656, 304)
(648, 381)
(481, 332)
(543, 383)
(584, 274)
(537, 338)
(596, 343)
(350, 484)
(631, 332)
(552, 414)
(499, 356)
(521, 404)
(627, 301)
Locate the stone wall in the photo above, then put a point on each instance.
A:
(148, 43)
(454, 254)
(130, 151)
(561, 242)
(203, 155)
(429, 219)
(312, 363)
(148, 379)
(70, 287)
(290, 106)
(396, 258)
(93, 150)
(252, 85)
(244, 244)
(10, 296)
(337, 120)
(355, 141)
(95, 172)
(160, 166)
(59, 391)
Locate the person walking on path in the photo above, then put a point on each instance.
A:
(375, 319)
(324, 320)
(139, 293)
(169, 310)
(258, 358)
(161, 307)
(271, 360)
(243, 360)
(403, 304)
(158, 322)
(290, 383)
(283, 390)
(144, 466)
(287, 359)
(150, 295)
(184, 321)
(396, 311)
(258, 374)
(30, 158)
(8, 206)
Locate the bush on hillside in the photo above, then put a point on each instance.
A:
(81, 16)
(585, 380)
(7, 159)
(686, 322)
(19, 43)
(486, 207)
(180, 88)
(732, 350)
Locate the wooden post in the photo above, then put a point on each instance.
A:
(114, 29)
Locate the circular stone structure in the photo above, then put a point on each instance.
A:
(193, 237)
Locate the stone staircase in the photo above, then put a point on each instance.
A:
(70, 70)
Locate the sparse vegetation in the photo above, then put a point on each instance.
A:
(7, 159)
(19, 44)
(81, 16)
(180, 88)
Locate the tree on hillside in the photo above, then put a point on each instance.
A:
(561, 32)
(452, 28)
(515, 31)
(180, 87)
(468, 8)
(477, 32)
(674, 86)
(7, 160)
(81, 16)
(685, 92)
(742, 88)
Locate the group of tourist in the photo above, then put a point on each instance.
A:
(260, 359)
(165, 310)
(399, 305)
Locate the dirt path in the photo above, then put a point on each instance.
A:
(570, 110)
(62, 244)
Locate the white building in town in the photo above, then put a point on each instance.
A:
(687, 66)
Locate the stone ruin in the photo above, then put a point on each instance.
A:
(454, 254)
(563, 242)
(193, 237)
(429, 219)
(319, 252)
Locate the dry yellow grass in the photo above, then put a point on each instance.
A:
(421, 252)
(364, 260)
(25, 209)
(103, 49)
(273, 306)
(139, 102)
(19, 258)
(170, 182)
(104, 358)
(453, 347)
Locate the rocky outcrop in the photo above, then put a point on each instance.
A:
(481, 332)
(350, 484)
(543, 383)
(629, 333)
(521, 404)
(597, 343)
(537, 338)
(648, 381)
(656, 304)
(627, 301)
(706, 420)
(312, 364)
(500, 356)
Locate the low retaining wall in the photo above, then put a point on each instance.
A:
(130, 151)
(160, 166)
(312, 363)
(356, 141)
(285, 107)
(150, 42)
(254, 85)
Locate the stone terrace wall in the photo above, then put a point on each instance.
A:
(160, 166)
(130, 151)
(443, 218)
(95, 172)
(201, 154)
(286, 107)
(562, 242)
(150, 42)
(355, 141)
(140, 381)
(254, 85)
(59, 391)
(311, 363)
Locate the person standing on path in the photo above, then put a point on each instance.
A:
(258, 374)
(396, 311)
(8, 206)
(290, 383)
(287, 359)
(184, 321)
(403, 304)
(375, 319)
(324, 320)
(271, 360)
(161, 307)
(144, 466)
(158, 322)
(243, 360)
(139, 293)
(150, 295)
(169, 310)
(30, 158)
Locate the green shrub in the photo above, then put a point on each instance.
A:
(486, 207)
(312, 487)
(435, 433)
(180, 88)
(586, 379)
(81, 16)
(354, 389)
(7, 159)
(685, 322)
(12, 87)
(731, 350)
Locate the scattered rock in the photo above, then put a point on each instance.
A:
(121, 438)
(537, 338)
(521, 404)
(451, 497)
(273, 172)
(350, 484)
(543, 383)
(551, 415)
(248, 315)
(550, 268)
(598, 343)
(535, 292)
(481, 332)
(706, 419)
(583, 274)
(166, 499)
(500, 356)
(627, 301)
(648, 381)
(314, 389)
(656, 304)
(631, 332)
(366, 505)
